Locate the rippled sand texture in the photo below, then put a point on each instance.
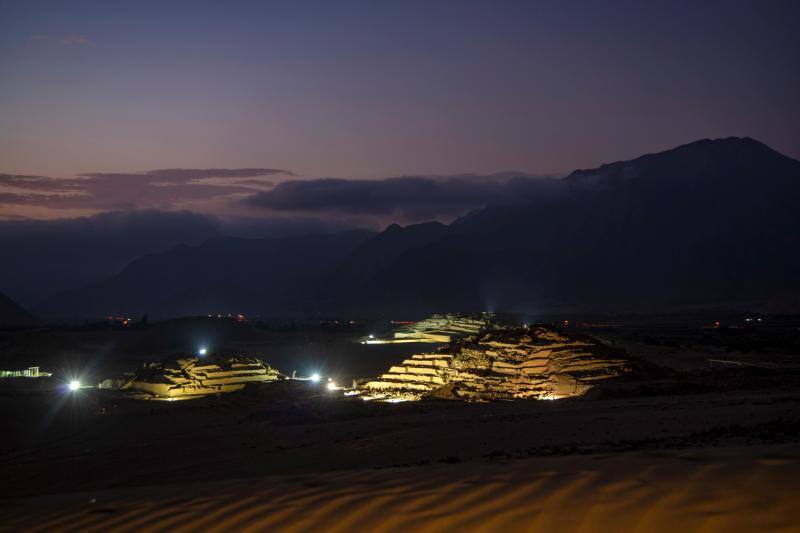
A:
(731, 489)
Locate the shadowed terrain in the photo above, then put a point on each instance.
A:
(712, 225)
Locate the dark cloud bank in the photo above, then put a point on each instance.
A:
(151, 189)
(407, 198)
(44, 257)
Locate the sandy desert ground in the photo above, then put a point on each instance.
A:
(694, 449)
(719, 489)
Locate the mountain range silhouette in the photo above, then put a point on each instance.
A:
(710, 224)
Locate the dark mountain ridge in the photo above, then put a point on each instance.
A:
(711, 223)
(732, 157)
(222, 275)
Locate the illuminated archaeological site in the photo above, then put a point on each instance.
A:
(481, 357)
(193, 377)
(534, 362)
(30, 372)
(436, 329)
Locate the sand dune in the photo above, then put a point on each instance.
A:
(722, 489)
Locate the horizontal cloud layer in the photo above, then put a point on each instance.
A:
(187, 175)
(163, 188)
(265, 192)
(407, 197)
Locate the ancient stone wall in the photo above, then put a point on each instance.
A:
(438, 329)
(524, 362)
(195, 377)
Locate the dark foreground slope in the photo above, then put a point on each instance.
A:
(709, 224)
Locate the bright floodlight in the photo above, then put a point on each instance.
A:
(331, 385)
(315, 377)
(74, 385)
(202, 351)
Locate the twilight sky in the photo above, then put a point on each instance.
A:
(205, 106)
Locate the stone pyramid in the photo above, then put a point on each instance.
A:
(501, 364)
(196, 377)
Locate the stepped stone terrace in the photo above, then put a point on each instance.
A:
(524, 362)
(196, 377)
(438, 329)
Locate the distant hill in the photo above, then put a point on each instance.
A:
(44, 257)
(714, 223)
(12, 315)
(710, 224)
(223, 275)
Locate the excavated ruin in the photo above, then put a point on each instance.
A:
(501, 364)
(439, 329)
(197, 377)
